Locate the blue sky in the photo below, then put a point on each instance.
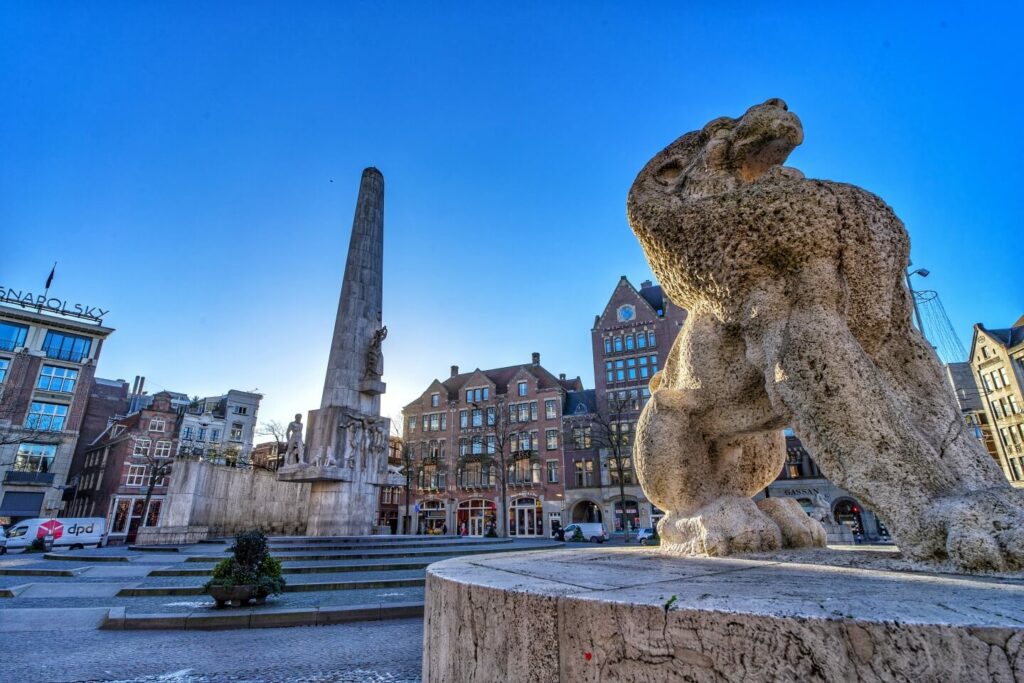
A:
(193, 166)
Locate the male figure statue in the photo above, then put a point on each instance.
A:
(294, 441)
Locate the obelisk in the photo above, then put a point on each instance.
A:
(347, 440)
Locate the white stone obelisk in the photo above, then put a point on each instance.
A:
(347, 440)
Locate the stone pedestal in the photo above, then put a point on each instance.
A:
(625, 614)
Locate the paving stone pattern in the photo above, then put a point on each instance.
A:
(384, 652)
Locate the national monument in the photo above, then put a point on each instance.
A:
(344, 456)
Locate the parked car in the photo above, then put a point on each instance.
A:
(71, 532)
(3, 541)
(646, 535)
(592, 531)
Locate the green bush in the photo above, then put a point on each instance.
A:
(251, 565)
(36, 546)
(577, 536)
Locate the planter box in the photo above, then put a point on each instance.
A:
(236, 596)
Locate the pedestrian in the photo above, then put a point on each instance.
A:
(444, 529)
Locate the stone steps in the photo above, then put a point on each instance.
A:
(305, 569)
(343, 555)
(148, 591)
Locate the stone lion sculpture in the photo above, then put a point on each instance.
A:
(798, 315)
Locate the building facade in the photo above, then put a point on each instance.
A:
(461, 433)
(630, 339)
(392, 498)
(124, 472)
(221, 428)
(997, 361)
(47, 364)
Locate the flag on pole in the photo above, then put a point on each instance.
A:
(49, 280)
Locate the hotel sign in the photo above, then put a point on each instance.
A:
(53, 304)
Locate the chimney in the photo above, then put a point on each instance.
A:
(645, 284)
(455, 370)
(536, 358)
(561, 376)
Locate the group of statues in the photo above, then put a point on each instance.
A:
(357, 435)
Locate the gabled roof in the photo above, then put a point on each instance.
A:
(580, 402)
(501, 377)
(1008, 337)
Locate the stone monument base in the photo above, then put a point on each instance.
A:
(308, 473)
(631, 614)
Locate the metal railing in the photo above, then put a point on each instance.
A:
(28, 478)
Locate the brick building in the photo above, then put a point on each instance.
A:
(460, 431)
(997, 361)
(392, 498)
(47, 364)
(630, 340)
(118, 466)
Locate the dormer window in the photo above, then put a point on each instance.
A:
(435, 400)
(522, 388)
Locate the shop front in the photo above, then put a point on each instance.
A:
(525, 517)
(433, 515)
(126, 517)
(474, 517)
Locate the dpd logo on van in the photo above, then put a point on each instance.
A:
(50, 527)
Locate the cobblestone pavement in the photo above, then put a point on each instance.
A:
(383, 651)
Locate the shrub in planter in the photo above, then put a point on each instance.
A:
(251, 573)
(577, 536)
(36, 546)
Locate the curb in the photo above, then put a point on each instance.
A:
(14, 571)
(305, 569)
(142, 591)
(13, 591)
(87, 558)
(210, 620)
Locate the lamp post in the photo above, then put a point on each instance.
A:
(923, 272)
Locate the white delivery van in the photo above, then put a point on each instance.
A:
(68, 532)
(592, 531)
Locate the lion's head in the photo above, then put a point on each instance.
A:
(723, 155)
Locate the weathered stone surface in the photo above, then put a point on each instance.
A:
(635, 615)
(797, 528)
(799, 315)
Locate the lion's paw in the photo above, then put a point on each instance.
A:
(729, 525)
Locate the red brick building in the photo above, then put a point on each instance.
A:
(461, 430)
(117, 468)
(47, 364)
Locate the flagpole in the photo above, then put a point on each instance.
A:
(46, 290)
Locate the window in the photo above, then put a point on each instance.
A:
(241, 410)
(412, 423)
(641, 340)
(477, 444)
(491, 445)
(626, 474)
(163, 449)
(995, 379)
(1014, 406)
(136, 475)
(214, 435)
(618, 344)
(141, 447)
(552, 471)
(12, 336)
(607, 345)
(522, 388)
(157, 424)
(988, 384)
(435, 400)
(551, 439)
(236, 432)
(524, 412)
(581, 438)
(629, 342)
(584, 472)
(201, 434)
(186, 434)
(53, 378)
(1004, 376)
(35, 457)
(463, 419)
(550, 409)
(478, 417)
(66, 346)
(5, 365)
(650, 338)
(995, 409)
(46, 417)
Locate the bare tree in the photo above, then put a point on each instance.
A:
(498, 446)
(607, 433)
(160, 467)
(275, 429)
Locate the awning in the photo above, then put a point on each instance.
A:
(21, 504)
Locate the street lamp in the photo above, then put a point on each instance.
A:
(923, 272)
